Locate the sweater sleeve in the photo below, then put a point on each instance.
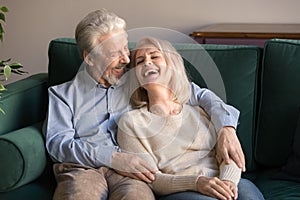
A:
(167, 183)
(230, 172)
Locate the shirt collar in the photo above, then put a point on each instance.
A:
(88, 82)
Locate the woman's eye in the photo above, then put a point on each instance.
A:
(138, 62)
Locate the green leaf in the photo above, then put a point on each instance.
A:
(1, 32)
(7, 71)
(4, 9)
(1, 29)
(16, 65)
(2, 17)
(2, 111)
(20, 72)
(5, 61)
(2, 88)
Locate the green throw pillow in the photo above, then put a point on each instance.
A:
(22, 157)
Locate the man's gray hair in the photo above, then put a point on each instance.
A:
(95, 25)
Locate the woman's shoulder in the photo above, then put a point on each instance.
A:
(133, 115)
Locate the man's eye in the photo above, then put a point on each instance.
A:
(126, 49)
(114, 55)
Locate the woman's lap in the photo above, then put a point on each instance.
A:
(247, 191)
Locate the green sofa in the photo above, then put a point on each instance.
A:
(264, 84)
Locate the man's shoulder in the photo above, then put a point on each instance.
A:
(61, 87)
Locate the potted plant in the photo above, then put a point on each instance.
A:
(6, 66)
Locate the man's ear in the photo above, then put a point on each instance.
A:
(87, 58)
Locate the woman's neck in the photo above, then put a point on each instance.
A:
(162, 102)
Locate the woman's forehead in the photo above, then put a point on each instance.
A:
(147, 49)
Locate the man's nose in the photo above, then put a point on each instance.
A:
(124, 57)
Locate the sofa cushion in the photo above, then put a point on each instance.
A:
(274, 189)
(231, 71)
(237, 68)
(24, 103)
(22, 157)
(64, 60)
(280, 100)
(291, 170)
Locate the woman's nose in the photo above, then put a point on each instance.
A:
(147, 62)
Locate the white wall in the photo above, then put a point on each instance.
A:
(31, 24)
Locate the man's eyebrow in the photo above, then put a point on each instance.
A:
(116, 50)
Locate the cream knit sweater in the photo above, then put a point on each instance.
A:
(180, 147)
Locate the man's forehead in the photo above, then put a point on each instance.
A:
(115, 40)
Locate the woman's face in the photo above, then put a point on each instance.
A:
(151, 67)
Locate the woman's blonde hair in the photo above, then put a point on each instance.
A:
(179, 82)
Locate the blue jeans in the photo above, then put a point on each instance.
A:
(246, 191)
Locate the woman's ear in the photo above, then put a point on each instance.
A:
(87, 58)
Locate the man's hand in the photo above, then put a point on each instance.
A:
(228, 145)
(132, 166)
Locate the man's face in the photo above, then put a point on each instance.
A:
(111, 57)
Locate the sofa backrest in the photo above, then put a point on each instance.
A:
(24, 102)
(280, 101)
(240, 67)
(64, 60)
(230, 71)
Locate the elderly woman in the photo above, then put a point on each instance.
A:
(175, 138)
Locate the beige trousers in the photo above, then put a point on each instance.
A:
(76, 182)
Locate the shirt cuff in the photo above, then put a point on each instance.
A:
(227, 116)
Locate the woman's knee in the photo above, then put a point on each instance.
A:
(248, 191)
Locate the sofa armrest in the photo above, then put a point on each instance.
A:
(22, 157)
(24, 103)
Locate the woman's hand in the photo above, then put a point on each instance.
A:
(233, 188)
(228, 145)
(214, 187)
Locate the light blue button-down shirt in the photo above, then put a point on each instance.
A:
(83, 115)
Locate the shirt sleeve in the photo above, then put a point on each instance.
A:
(62, 143)
(220, 113)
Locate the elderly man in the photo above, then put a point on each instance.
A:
(83, 114)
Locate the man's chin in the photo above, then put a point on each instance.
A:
(112, 80)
